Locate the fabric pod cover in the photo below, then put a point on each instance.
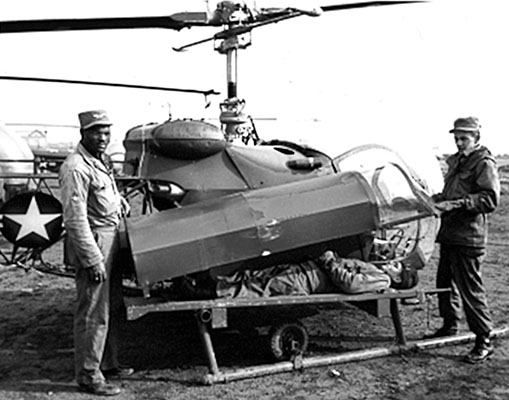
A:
(188, 139)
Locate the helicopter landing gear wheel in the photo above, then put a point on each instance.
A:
(287, 340)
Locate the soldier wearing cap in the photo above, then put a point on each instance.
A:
(92, 207)
(471, 191)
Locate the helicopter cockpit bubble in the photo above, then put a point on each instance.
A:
(402, 194)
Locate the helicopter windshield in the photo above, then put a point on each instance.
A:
(398, 199)
(406, 214)
(401, 194)
(422, 166)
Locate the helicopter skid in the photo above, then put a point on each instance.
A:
(217, 313)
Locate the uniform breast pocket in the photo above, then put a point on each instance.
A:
(103, 197)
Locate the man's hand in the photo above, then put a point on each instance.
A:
(449, 205)
(97, 273)
(124, 206)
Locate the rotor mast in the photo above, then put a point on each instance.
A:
(238, 20)
(235, 122)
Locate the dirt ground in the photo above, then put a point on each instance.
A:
(36, 355)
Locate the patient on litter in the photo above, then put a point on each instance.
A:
(328, 273)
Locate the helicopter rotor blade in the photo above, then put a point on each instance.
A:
(110, 84)
(349, 6)
(175, 21)
(278, 15)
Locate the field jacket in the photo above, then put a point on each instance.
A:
(91, 201)
(280, 280)
(473, 179)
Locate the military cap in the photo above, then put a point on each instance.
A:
(88, 119)
(468, 124)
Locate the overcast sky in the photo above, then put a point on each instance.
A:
(398, 74)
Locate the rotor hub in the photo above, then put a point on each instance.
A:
(234, 42)
(230, 12)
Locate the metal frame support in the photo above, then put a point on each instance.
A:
(396, 320)
(207, 345)
(212, 314)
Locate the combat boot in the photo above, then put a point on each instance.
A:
(100, 389)
(482, 350)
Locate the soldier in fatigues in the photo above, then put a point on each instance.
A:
(92, 207)
(471, 191)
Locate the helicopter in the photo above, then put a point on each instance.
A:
(248, 200)
(195, 170)
(219, 199)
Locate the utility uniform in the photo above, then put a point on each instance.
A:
(91, 213)
(328, 274)
(473, 181)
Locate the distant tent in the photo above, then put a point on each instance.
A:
(37, 139)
